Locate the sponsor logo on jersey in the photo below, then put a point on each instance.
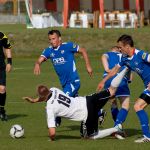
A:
(144, 56)
(59, 61)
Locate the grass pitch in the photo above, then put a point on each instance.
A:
(21, 82)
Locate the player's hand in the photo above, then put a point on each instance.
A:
(37, 69)
(8, 67)
(29, 99)
(89, 70)
(100, 86)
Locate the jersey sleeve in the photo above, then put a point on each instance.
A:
(145, 56)
(5, 42)
(50, 117)
(73, 47)
(46, 53)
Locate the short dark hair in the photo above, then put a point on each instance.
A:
(51, 32)
(126, 39)
(42, 91)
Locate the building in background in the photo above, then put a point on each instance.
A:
(56, 7)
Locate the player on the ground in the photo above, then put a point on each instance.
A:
(62, 57)
(138, 61)
(83, 109)
(5, 51)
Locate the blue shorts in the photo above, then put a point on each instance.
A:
(123, 89)
(72, 88)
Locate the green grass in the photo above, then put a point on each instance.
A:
(27, 45)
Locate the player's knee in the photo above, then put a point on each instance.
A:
(112, 91)
(2, 89)
(137, 107)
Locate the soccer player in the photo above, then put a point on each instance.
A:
(138, 61)
(109, 60)
(5, 51)
(84, 109)
(62, 58)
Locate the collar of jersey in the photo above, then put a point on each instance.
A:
(56, 49)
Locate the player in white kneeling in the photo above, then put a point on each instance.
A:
(84, 109)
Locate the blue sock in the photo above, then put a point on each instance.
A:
(114, 112)
(121, 117)
(142, 115)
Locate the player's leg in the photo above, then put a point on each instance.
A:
(90, 126)
(3, 115)
(107, 132)
(114, 108)
(72, 89)
(139, 106)
(121, 117)
(102, 113)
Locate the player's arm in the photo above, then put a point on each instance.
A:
(37, 69)
(52, 132)
(34, 100)
(31, 100)
(9, 59)
(110, 74)
(87, 61)
(104, 60)
(7, 47)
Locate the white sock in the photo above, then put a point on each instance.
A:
(104, 133)
(116, 81)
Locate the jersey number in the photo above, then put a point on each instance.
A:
(64, 100)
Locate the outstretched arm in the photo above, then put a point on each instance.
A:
(87, 61)
(31, 100)
(37, 69)
(110, 74)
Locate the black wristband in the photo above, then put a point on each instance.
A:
(9, 61)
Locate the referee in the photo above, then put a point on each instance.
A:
(5, 52)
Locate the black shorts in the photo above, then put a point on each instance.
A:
(94, 103)
(2, 77)
(145, 97)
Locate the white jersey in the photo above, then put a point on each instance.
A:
(62, 105)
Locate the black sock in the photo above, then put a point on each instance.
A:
(2, 99)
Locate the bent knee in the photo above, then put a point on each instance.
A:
(137, 107)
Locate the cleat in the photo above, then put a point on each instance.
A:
(3, 115)
(58, 121)
(120, 134)
(102, 113)
(119, 128)
(143, 139)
